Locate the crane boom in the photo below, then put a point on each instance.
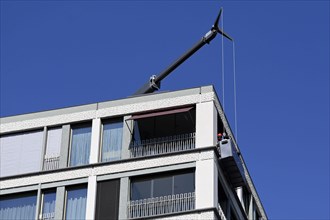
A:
(154, 82)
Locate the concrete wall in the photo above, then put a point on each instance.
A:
(206, 124)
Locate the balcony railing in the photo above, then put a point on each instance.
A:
(51, 163)
(49, 215)
(161, 205)
(221, 213)
(162, 145)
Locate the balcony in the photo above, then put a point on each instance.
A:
(162, 145)
(51, 163)
(161, 205)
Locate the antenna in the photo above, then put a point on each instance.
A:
(153, 83)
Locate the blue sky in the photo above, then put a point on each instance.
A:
(57, 54)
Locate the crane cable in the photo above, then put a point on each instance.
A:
(235, 95)
(223, 67)
(223, 78)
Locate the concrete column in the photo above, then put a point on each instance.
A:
(59, 202)
(123, 197)
(64, 153)
(206, 180)
(37, 215)
(95, 145)
(127, 129)
(206, 125)
(43, 151)
(91, 197)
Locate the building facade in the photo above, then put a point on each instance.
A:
(153, 156)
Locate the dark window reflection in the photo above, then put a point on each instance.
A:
(141, 189)
(162, 185)
(184, 183)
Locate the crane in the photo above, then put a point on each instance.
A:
(155, 80)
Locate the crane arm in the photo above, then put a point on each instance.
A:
(154, 82)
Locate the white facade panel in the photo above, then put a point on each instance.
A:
(206, 125)
(95, 145)
(206, 184)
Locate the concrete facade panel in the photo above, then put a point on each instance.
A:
(102, 170)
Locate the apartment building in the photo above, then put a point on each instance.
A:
(152, 156)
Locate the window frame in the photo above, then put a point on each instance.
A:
(22, 195)
(42, 197)
(152, 177)
(104, 122)
(73, 187)
(72, 127)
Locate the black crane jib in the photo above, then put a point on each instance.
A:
(154, 82)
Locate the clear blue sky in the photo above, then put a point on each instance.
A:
(57, 54)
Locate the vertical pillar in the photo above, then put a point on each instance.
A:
(127, 129)
(206, 179)
(37, 215)
(123, 197)
(59, 202)
(206, 125)
(91, 197)
(43, 151)
(95, 145)
(65, 142)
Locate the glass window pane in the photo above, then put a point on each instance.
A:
(162, 186)
(112, 141)
(80, 146)
(21, 206)
(141, 189)
(184, 183)
(76, 203)
(48, 206)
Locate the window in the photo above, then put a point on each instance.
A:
(80, 145)
(53, 147)
(76, 203)
(20, 153)
(18, 206)
(48, 205)
(107, 199)
(162, 194)
(166, 184)
(112, 141)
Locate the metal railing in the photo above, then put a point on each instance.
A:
(51, 163)
(162, 145)
(221, 213)
(161, 205)
(50, 215)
